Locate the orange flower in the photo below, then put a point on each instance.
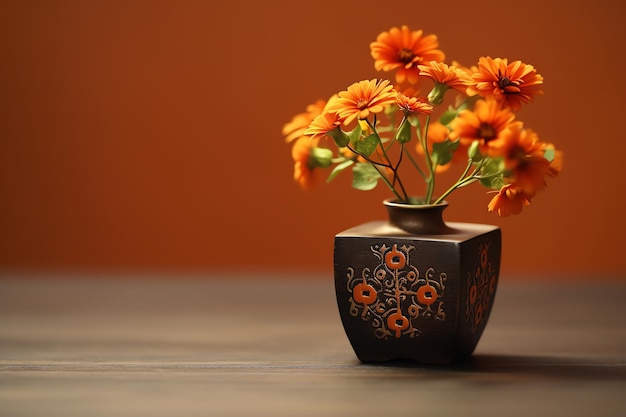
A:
(447, 75)
(303, 170)
(322, 125)
(525, 158)
(295, 128)
(468, 70)
(511, 84)
(522, 144)
(363, 98)
(530, 177)
(403, 50)
(509, 200)
(413, 105)
(485, 123)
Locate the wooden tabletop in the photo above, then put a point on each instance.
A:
(221, 345)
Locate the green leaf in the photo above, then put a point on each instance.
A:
(367, 146)
(365, 177)
(494, 182)
(492, 173)
(447, 116)
(443, 151)
(340, 137)
(492, 166)
(549, 154)
(338, 169)
(355, 134)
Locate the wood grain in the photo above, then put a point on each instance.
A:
(216, 346)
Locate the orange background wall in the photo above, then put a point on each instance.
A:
(146, 135)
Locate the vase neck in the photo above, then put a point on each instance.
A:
(417, 219)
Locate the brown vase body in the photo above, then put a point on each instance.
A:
(414, 287)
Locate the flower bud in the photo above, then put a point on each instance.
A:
(404, 132)
(341, 139)
(436, 94)
(473, 152)
(320, 157)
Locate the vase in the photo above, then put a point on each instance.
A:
(414, 287)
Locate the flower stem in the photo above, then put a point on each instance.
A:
(414, 162)
(386, 181)
(376, 166)
(465, 179)
(394, 169)
(460, 182)
(430, 181)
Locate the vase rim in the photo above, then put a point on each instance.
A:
(393, 202)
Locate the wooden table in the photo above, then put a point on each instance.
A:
(273, 346)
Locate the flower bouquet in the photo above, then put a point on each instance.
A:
(389, 133)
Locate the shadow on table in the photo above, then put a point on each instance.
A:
(532, 366)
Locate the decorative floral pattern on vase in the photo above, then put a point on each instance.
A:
(394, 295)
(481, 284)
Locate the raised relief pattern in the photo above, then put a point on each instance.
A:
(481, 284)
(394, 295)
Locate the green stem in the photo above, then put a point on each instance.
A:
(367, 158)
(386, 181)
(465, 179)
(414, 162)
(396, 176)
(379, 141)
(459, 184)
(430, 181)
(376, 166)
(461, 181)
(386, 129)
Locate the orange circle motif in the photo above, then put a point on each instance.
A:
(395, 259)
(365, 294)
(397, 322)
(426, 294)
(473, 293)
(484, 257)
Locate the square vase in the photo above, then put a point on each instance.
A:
(420, 297)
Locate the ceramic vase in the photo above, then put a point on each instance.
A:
(414, 287)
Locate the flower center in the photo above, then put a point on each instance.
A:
(361, 104)
(519, 154)
(504, 82)
(487, 132)
(405, 55)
